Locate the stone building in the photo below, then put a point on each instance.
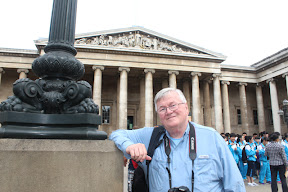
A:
(127, 67)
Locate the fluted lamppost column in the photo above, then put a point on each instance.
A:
(149, 97)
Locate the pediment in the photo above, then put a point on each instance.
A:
(139, 39)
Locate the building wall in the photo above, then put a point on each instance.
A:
(110, 84)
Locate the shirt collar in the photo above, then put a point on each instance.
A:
(185, 133)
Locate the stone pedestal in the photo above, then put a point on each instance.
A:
(60, 166)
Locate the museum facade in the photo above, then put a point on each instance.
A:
(127, 67)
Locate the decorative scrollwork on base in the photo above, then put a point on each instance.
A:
(54, 96)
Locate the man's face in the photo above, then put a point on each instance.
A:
(172, 119)
(232, 139)
(257, 140)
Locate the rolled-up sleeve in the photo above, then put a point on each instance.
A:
(125, 138)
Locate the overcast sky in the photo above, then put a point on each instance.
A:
(245, 31)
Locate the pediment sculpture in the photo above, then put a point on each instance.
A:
(135, 40)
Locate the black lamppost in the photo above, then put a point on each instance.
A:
(55, 106)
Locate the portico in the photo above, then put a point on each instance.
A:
(126, 76)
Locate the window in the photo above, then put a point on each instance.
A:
(105, 114)
(255, 117)
(239, 116)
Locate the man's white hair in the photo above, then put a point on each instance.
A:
(165, 91)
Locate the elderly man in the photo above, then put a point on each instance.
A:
(214, 168)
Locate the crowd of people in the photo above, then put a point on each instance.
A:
(261, 156)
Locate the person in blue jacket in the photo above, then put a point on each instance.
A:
(242, 166)
(251, 158)
(285, 143)
(264, 163)
(234, 148)
(214, 167)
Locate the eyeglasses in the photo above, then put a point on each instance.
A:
(173, 107)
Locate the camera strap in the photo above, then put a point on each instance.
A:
(192, 152)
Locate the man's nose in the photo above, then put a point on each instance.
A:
(168, 110)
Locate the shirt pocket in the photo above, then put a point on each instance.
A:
(158, 174)
(204, 171)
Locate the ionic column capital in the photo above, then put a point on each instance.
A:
(259, 85)
(225, 82)
(23, 70)
(284, 75)
(270, 80)
(124, 69)
(149, 70)
(242, 83)
(195, 73)
(214, 75)
(2, 70)
(94, 67)
(173, 72)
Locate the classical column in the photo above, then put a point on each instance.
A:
(196, 113)
(274, 105)
(149, 97)
(217, 103)
(243, 107)
(123, 95)
(186, 92)
(165, 82)
(285, 75)
(1, 72)
(172, 78)
(142, 102)
(23, 73)
(226, 109)
(260, 108)
(97, 86)
(207, 104)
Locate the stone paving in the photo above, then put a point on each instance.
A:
(261, 188)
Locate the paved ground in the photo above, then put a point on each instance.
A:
(261, 188)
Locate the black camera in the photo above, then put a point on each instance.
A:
(179, 189)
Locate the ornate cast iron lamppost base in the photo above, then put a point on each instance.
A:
(55, 106)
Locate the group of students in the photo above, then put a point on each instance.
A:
(249, 154)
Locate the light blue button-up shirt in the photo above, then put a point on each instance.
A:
(214, 168)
